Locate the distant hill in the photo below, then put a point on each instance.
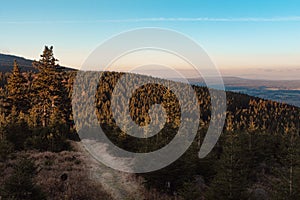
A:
(256, 83)
(6, 63)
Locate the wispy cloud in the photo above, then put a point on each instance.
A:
(163, 19)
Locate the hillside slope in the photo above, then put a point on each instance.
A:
(6, 63)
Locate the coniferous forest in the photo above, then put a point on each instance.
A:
(256, 157)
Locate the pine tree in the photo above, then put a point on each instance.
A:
(4, 103)
(21, 185)
(287, 184)
(17, 90)
(49, 91)
(230, 182)
(16, 129)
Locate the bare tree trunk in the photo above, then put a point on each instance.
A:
(291, 166)
(231, 166)
(291, 179)
(250, 141)
(44, 116)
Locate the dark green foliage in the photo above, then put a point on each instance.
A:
(5, 104)
(6, 148)
(47, 139)
(16, 132)
(287, 182)
(230, 181)
(20, 185)
(191, 190)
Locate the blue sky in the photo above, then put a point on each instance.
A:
(238, 35)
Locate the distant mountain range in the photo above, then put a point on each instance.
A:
(7, 62)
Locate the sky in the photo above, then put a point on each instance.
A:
(252, 39)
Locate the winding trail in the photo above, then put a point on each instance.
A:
(119, 184)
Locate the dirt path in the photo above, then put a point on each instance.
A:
(120, 185)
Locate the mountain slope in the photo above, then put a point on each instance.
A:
(6, 63)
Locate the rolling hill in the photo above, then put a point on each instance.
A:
(6, 63)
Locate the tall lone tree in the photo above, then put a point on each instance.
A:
(48, 87)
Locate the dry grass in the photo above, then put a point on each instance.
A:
(60, 175)
(74, 175)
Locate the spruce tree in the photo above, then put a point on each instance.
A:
(287, 182)
(49, 91)
(17, 89)
(230, 182)
(21, 185)
(4, 103)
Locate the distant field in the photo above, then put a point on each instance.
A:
(287, 96)
(286, 91)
